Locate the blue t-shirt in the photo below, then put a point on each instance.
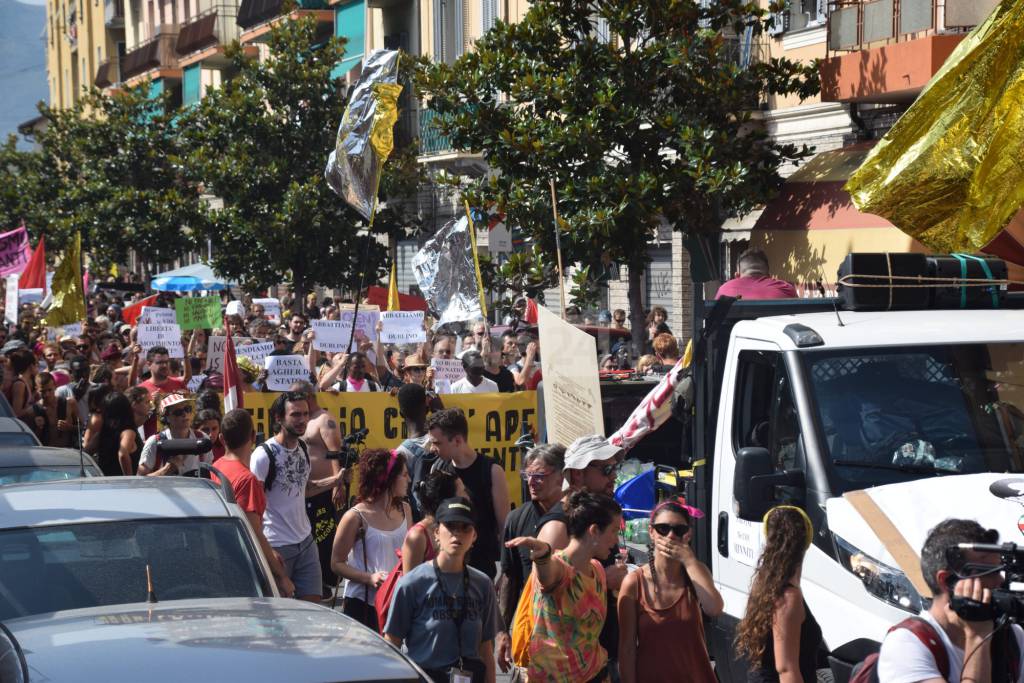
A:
(421, 616)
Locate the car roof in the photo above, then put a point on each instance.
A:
(250, 639)
(43, 456)
(107, 499)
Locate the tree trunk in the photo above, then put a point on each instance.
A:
(637, 318)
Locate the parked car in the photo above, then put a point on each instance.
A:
(39, 463)
(14, 432)
(106, 541)
(243, 639)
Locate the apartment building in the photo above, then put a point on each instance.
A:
(81, 36)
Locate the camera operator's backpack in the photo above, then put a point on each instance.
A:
(272, 464)
(867, 670)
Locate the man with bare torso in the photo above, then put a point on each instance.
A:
(323, 436)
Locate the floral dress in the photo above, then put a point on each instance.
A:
(568, 622)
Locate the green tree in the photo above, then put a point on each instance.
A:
(639, 110)
(23, 187)
(260, 143)
(111, 168)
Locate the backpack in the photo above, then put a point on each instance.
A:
(272, 466)
(523, 623)
(867, 670)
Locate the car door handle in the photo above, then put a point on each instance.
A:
(723, 534)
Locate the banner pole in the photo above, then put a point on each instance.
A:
(476, 261)
(558, 247)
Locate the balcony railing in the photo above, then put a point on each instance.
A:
(857, 24)
(432, 141)
(159, 52)
(255, 12)
(215, 26)
(113, 13)
(108, 73)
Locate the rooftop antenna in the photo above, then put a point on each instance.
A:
(821, 291)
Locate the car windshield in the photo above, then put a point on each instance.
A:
(104, 563)
(20, 475)
(18, 439)
(898, 414)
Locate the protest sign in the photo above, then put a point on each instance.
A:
(14, 251)
(168, 336)
(11, 300)
(215, 352)
(255, 352)
(271, 309)
(234, 308)
(154, 315)
(196, 382)
(572, 390)
(331, 335)
(284, 371)
(495, 422)
(72, 330)
(402, 327)
(198, 312)
(447, 371)
(365, 323)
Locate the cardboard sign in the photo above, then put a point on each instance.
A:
(168, 336)
(271, 309)
(495, 422)
(402, 327)
(572, 390)
(198, 312)
(14, 251)
(284, 371)
(257, 353)
(447, 371)
(72, 330)
(234, 308)
(215, 352)
(11, 300)
(153, 315)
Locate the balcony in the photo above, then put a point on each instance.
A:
(432, 141)
(108, 73)
(156, 53)
(113, 14)
(886, 51)
(255, 12)
(214, 27)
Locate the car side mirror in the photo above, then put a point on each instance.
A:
(754, 482)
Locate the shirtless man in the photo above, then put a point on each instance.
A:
(322, 436)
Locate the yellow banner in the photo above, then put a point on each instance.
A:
(495, 422)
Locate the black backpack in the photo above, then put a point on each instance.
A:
(272, 471)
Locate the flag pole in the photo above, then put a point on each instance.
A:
(476, 260)
(558, 247)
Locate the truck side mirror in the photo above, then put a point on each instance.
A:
(754, 482)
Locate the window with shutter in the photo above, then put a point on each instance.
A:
(489, 15)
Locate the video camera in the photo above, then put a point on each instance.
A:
(349, 455)
(1008, 599)
(170, 448)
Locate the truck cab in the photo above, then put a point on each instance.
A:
(799, 402)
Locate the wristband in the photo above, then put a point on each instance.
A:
(545, 556)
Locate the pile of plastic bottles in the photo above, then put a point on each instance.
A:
(636, 531)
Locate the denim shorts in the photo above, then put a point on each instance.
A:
(302, 564)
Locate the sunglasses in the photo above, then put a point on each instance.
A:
(678, 529)
(535, 476)
(606, 470)
(82, 347)
(181, 411)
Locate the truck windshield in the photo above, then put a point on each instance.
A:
(892, 415)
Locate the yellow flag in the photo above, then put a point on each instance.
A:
(113, 270)
(68, 296)
(393, 304)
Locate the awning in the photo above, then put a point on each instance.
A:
(810, 227)
(195, 277)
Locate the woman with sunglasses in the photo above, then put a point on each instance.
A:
(661, 627)
(778, 635)
(176, 413)
(444, 611)
(371, 531)
(569, 598)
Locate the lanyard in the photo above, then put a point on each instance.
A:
(449, 601)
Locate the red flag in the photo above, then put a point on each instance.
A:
(530, 316)
(131, 314)
(233, 394)
(34, 276)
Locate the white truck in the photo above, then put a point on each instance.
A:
(921, 411)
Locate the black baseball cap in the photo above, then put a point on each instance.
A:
(455, 510)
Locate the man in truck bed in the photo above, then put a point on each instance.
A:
(752, 280)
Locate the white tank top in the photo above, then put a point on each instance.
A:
(380, 557)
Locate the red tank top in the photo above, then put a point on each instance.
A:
(671, 643)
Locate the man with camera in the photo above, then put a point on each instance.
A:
(176, 416)
(953, 640)
(282, 463)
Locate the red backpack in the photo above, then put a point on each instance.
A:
(386, 592)
(867, 670)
